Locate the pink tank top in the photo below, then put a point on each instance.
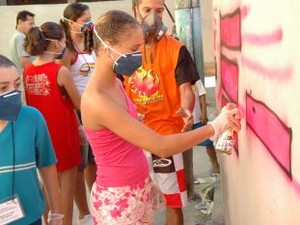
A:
(119, 163)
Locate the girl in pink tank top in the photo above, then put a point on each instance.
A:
(123, 191)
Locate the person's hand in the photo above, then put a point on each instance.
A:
(157, 197)
(229, 119)
(187, 117)
(55, 219)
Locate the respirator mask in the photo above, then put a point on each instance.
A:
(153, 26)
(125, 64)
(10, 105)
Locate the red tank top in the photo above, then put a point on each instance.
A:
(43, 93)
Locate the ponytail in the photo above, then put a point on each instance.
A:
(35, 42)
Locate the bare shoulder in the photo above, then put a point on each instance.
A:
(94, 109)
(64, 70)
(99, 109)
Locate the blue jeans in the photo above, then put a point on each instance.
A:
(38, 222)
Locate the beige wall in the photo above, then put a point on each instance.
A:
(53, 12)
(258, 64)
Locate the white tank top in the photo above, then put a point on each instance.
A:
(82, 69)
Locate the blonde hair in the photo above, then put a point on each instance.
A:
(114, 25)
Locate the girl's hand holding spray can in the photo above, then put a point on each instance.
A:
(226, 133)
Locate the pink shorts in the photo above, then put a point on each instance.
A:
(128, 205)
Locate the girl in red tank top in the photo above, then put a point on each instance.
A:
(49, 87)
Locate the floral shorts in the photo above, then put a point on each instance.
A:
(128, 205)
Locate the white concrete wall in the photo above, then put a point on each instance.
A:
(258, 63)
(53, 12)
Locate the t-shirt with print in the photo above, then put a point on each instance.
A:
(154, 87)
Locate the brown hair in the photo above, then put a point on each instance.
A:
(22, 15)
(36, 40)
(72, 12)
(5, 62)
(112, 25)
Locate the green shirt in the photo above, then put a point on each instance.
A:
(17, 49)
(32, 149)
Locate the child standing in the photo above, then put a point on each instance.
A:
(122, 191)
(49, 87)
(200, 119)
(25, 146)
(77, 23)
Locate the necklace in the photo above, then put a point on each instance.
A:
(78, 51)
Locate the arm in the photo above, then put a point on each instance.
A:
(65, 80)
(116, 118)
(203, 118)
(187, 98)
(45, 161)
(50, 182)
(186, 74)
(24, 60)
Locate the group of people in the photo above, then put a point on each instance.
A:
(107, 93)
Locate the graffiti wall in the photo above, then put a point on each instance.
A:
(257, 52)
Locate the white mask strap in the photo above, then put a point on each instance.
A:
(49, 39)
(72, 31)
(106, 46)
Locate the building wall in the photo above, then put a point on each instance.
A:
(257, 52)
(53, 12)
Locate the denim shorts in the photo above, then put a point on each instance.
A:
(206, 143)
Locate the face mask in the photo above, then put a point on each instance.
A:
(84, 26)
(127, 63)
(153, 26)
(87, 25)
(10, 105)
(60, 56)
(56, 53)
